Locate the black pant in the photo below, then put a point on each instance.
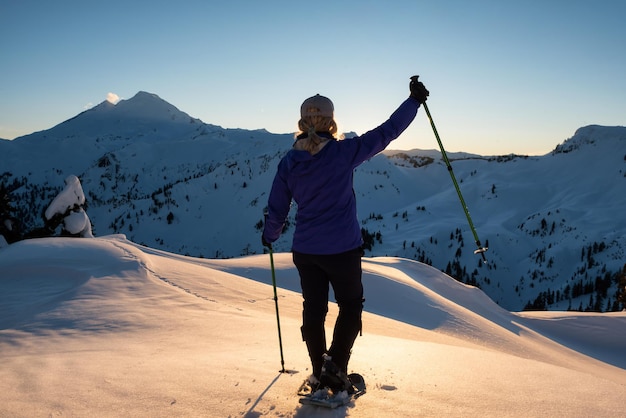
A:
(343, 273)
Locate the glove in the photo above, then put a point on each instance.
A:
(265, 243)
(418, 91)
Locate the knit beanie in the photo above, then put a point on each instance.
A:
(317, 106)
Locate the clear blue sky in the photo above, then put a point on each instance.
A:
(505, 77)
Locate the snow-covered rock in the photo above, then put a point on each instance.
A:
(72, 196)
(78, 223)
(69, 204)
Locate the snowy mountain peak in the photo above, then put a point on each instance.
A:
(102, 107)
(149, 103)
(603, 132)
(144, 115)
(145, 95)
(149, 106)
(591, 134)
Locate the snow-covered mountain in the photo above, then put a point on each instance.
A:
(554, 224)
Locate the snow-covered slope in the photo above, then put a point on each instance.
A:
(105, 327)
(554, 223)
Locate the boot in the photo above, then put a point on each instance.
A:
(333, 378)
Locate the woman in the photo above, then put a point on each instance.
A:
(318, 175)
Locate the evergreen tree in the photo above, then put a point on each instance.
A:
(9, 226)
(620, 295)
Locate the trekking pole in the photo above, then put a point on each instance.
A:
(280, 339)
(481, 250)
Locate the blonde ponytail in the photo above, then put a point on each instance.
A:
(311, 125)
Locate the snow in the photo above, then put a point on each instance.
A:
(77, 222)
(72, 195)
(70, 201)
(107, 327)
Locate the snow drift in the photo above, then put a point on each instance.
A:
(106, 327)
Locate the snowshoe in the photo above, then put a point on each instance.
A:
(309, 386)
(326, 398)
(333, 378)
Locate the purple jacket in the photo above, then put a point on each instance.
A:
(321, 185)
